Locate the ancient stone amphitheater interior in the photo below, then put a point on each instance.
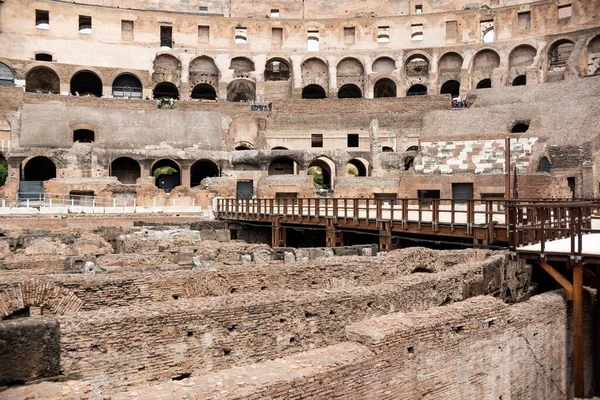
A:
(299, 199)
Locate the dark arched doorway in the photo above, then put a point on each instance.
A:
(520, 80)
(127, 85)
(349, 91)
(86, 83)
(42, 80)
(167, 174)
(356, 167)
(417, 90)
(126, 170)
(321, 171)
(166, 90)
(203, 169)
(313, 92)
(204, 91)
(451, 87)
(384, 87)
(39, 169)
(282, 166)
(484, 84)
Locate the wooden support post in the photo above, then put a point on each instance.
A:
(385, 236)
(578, 342)
(558, 277)
(333, 238)
(278, 235)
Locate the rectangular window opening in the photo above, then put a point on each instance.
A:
(461, 192)
(203, 9)
(564, 11)
(451, 31)
(203, 33)
(241, 35)
(487, 31)
(349, 35)
(43, 57)
(276, 37)
(524, 19)
(383, 34)
(85, 24)
(416, 32)
(313, 40)
(166, 37)
(42, 19)
(274, 13)
(316, 140)
(127, 30)
(418, 9)
(353, 140)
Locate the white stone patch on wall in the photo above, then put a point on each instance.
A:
(478, 156)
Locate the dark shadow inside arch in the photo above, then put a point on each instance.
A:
(384, 88)
(349, 91)
(204, 91)
(42, 80)
(321, 173)
(203, 169)
(241, 90)
(127, 85)
(39, 169)
(417, 90)
(484, 84)
(167, 174)
(520, 80)
(387, 149)
(544, 165)
(360, 166)
(166, 90)
(281, 166)
(450, 87)
(277, 70)
(83, 136)
(313, 92)
(126, 170)
(86, 83)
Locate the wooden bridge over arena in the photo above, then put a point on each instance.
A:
(560, 236)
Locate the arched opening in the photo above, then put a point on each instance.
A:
(387, 149)
(593, 57)
(86, 83)
(203, 70)
(241, 67)
(520, 80)
(39, 169)
(349, 91)
(167, 68)
(417, 66)
(484, 64)
(277, 70)
(544, 165)
(83, 135)
(559, 53)
(242, 146)
(282, 166)
(451, 87)
(43, 57)
(356, 167)
(409, 163)
(384, 88)
(417, 90)
(322, 171)
(204, 91)
(126, 170)
(165, 90)
(203, 169)
(450, 67)
(7, 76)
(313, 92)
(384, 64)
(279, 148)
(315, 72)
(484, 84)
(241, 90)
(3, 169)
(167, 174)
(128, 86)
(42, 80)
(520, 127)
(413, 148)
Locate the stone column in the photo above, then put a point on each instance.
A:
(184, 86)
(260, 62)
(296, 74)
(433, 87)
(222, 61)
(332, 68)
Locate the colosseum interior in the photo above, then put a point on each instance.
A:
(285, 199)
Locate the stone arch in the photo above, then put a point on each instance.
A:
(484, 84)
(86, 83)
(165, 90)
(280, 148)
(593, 56)
(314, 92)
(166, 68)
(167, 173)
(241, 67)
(282, 166)
(326, 168)
(450, 67)
(484, 64)
(203, 70)
(204, 91)
(42, 80)
(37, 293)
(201, 170)
(315, 72)
(38, 168)
(519, 59)
(349, 91)
(416, 66)
(544, 165)
(277, 69)
(126, 170)
(361, 165)
(417, 90)
(387, 149)
(450, 87)
(7, 75)
(243, 146)
(384, 64)
(350, 71)
(127, 85)
(384, 87)
(559, 53)
(520, 80)
(241, 90)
